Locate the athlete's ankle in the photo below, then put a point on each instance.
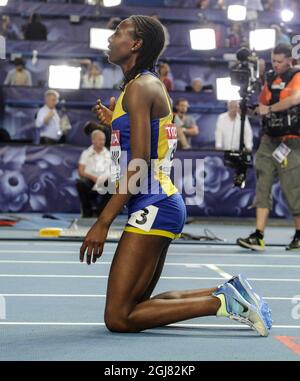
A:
(259, 233)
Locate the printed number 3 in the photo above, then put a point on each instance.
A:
(143, 217)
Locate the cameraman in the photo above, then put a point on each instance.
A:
(278, 156)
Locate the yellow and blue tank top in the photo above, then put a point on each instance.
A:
(158, 184)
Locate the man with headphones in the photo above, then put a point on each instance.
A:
(278, 156)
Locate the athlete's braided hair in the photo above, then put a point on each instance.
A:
(152, 33)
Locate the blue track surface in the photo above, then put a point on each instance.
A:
(54, 305)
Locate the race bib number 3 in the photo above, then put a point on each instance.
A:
(144, 218)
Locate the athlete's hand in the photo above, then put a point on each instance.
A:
(94, 242)
(104, 114)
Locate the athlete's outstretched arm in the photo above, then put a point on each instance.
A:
(137, 102)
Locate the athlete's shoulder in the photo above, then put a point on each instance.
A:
(143, 86)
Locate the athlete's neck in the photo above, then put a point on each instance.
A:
(129, 64)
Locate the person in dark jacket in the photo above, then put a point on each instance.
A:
(35, 30)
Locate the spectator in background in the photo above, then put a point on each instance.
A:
(185, 123)
(94, 171)
(8, 29)
(93, 79)
(268, 5)
(197, 86)
(235, 36)
(228, 130)
(281, 38)
(90, 126)
(203, 4)
(218, 33)
(164, 72)
(221, 5)
(48, 120)
(18, 76)
(35, 30)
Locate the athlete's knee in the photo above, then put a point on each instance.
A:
(116, 322)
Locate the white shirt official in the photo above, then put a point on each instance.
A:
(52, 128)
(227, 133)
(96, 164)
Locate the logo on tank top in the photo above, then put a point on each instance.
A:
(166, 164)
(115, 153)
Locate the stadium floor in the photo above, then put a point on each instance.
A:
(54, 304)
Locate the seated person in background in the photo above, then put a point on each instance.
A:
(90, 126)
(196, 85)
(203, 4)
(35, 30)
(93, 79)
(185, 123)
(227, 133)
(94, 172)
(269, 5)
(164, 72)
(8, 29)
(48, 120)
(18, 76)
(235, 36)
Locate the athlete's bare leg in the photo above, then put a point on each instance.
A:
(173, 294)
(136, 266)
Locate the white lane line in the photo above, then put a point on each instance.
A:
(90, 276)
(219, 271)
(184, 254)
(163, 277)
(212, 266)
(279, 298)
(17, 323)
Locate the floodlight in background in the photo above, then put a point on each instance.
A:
(64, 77)
(3, 3)
(236, 12)
(226, 91)
(287, 15)
(203, 39)
(99, 38)
(111, 3)
(262, 39)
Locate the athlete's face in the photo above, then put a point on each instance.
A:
(281, 63)
(121, 43)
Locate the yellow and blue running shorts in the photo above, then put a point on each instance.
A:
(164, 218)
